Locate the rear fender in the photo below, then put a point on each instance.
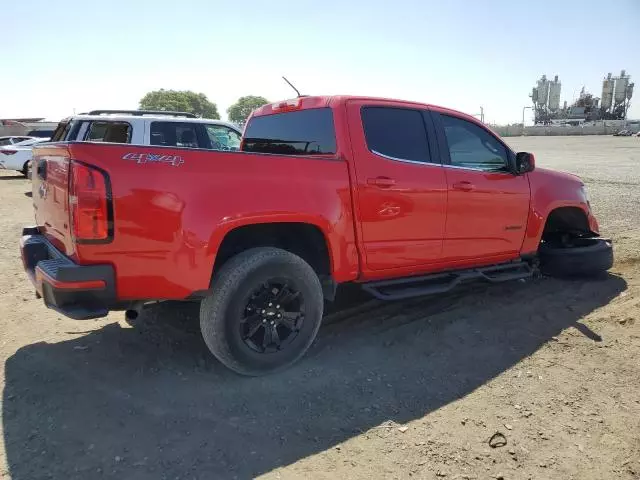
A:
(342, 254)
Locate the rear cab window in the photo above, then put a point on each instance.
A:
(302, 132)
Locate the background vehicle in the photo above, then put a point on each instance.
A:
(12, 140)
(623, 133)
(404, 198)
(40, 133)
(18, 156)
(144, 127)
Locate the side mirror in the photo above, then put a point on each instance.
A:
(525, 162)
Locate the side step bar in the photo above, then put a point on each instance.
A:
(402, 288)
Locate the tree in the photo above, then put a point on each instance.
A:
(181, 101)
(240, 111)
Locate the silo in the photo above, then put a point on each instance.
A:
(543, 90)
(620, 92)
(607, 93)
(630, 91)
(554, 94)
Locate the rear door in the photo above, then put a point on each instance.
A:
(488, 205)
(400, 186)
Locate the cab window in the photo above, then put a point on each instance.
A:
(223, 138)
(176, 134)
(471, 146)
(109, 132)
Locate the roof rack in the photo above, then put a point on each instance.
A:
(143, 112)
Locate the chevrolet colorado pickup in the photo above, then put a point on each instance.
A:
(404, 198)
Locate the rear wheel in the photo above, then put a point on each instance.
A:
(25, 169)
(264, 312)
(576, 257)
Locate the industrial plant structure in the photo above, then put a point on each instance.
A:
(613, 104)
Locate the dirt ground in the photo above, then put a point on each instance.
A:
(413, 389)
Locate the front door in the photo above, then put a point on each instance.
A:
(400, 186)
(488, 205)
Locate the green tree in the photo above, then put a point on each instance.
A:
(181, 101)
(240, 111)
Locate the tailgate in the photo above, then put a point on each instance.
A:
(50, 178)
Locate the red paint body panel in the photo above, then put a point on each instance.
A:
(169, 220)
(487, 219)
(402, 221)
(550, 190)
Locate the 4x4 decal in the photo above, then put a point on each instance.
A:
(141, 158)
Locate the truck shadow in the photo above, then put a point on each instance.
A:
(12, 177)
(150, 402)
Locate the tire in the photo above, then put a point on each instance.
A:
(587, 257)
(241, 291)
(25, 169)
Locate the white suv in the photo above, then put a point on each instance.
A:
(145, 127)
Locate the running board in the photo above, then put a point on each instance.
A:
(409, 287)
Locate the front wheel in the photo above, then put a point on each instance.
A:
(580, 257)
(264, 312)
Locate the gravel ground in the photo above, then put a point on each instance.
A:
(413, 389)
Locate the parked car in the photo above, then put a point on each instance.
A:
(145, 127)
(41, 133)
(403, 198)
(13, 140)
(17, 156)
(623, 133)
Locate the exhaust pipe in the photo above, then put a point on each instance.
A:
(133, 311)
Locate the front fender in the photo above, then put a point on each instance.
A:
(551, 190)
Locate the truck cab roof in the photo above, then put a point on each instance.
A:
(336, 101)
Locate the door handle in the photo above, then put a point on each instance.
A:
(381, 182)
(464, 186)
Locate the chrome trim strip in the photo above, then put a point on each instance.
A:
(414, 162)
(457, 167)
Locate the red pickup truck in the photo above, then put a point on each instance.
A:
(404, 198)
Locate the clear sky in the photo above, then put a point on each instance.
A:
(82, 55)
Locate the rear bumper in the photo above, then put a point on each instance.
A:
(77, 291)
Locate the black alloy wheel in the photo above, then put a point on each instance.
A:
(263, 312)
(273, 317)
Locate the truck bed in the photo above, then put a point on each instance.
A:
(172, 207)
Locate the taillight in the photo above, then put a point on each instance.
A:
(89, 204)
(9, 152)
